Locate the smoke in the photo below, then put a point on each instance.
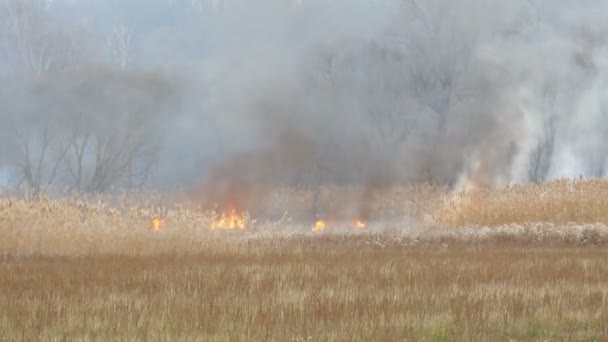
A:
(247, 96)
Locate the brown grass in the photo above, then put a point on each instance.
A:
(91, 269)
(310, 289)
(120, 225)
(560, 202)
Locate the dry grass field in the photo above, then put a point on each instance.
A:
(520, 263)
(311, 289)
(561, 201)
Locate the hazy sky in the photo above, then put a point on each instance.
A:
(446, 91)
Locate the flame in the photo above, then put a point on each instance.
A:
(229, 221)
(359, 224)
(319, 226)
(156, 224)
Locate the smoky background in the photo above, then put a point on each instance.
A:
(229, 99)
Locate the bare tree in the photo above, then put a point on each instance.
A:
(88, 128)
(542, 155)
(370, 75)
(121, 46)
(34, 47)
(38, 154)
(443, 79)
(115, 137)
(27, 35)
(439, 47)
(34, 44)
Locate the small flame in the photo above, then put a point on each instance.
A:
(156, 224)
(319, 226)
(229, 221)
(359, 224)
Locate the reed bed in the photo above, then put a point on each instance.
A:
(560, 202)
(519, 263)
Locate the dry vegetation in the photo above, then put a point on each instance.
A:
(561, 201)
(320, 289)
(92, 269)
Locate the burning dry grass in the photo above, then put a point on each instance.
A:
(145, 224)
(140, 269)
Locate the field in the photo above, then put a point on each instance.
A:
(518, 263)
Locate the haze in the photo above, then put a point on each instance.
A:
(103, 95)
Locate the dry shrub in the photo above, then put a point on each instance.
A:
(558, 202)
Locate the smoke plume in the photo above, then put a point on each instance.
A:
(233, 98)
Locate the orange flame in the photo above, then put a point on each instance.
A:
(359, 224)
(229, 221)
(156, 224)
(319, 226)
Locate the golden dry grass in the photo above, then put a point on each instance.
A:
(560, 202)
(121, 225)
(92, 269)
(311, 289)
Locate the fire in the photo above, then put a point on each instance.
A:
(359, 224)
(229, 221)
(156, 224)
(319, 226)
